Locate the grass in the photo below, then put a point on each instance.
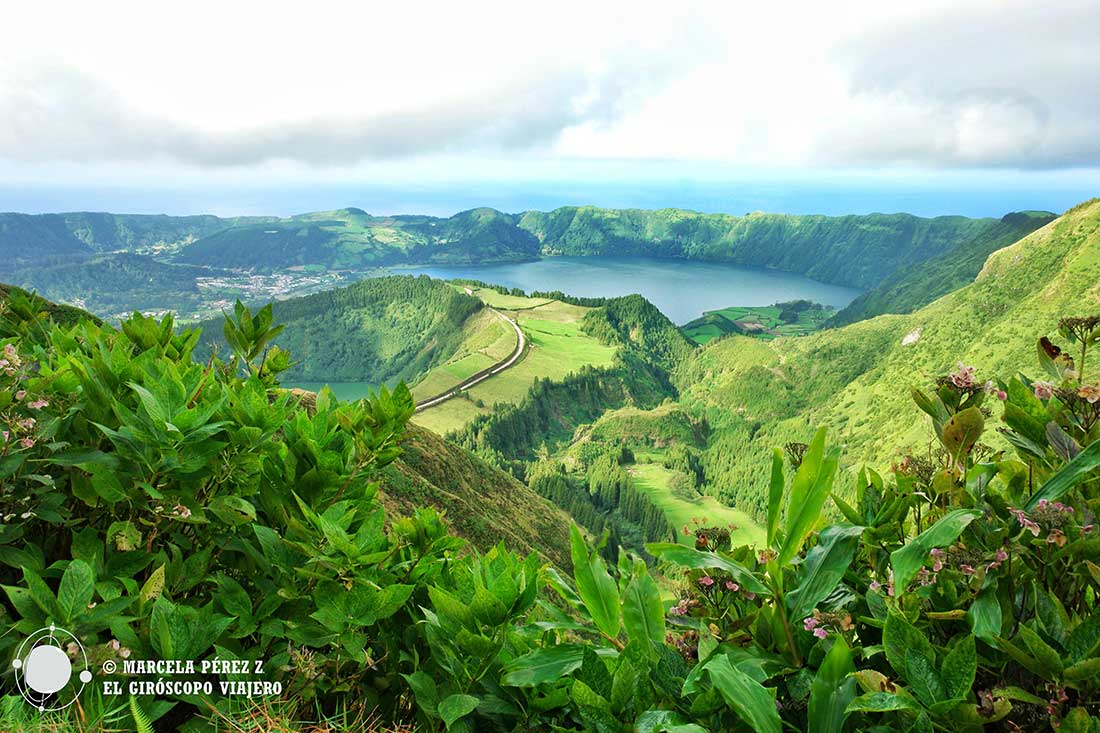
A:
(486, 340)
(760, 321)
(556, 348)
(655, 480)
(856, 380)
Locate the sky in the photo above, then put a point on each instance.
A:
(934, 107)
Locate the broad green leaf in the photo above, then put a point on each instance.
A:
(899, 636)
(425, 691)
(153, 585)
(882, 702)
(810, 489)
(924, 681)
(959, 667)
(42, 595)
(833, 689)
(453, 707)
(1067, 477)
(909, 558)
(547, 664)
(595, 585)
(76, 589)
(823, 568)
(962, 431)
(233, 510)
(1079, 721)
(665, 721)
(643, 614)
(1049, 659)
(750, 700)
(984, 615)
(689, 557)
(1084, 640)
(1086, 671)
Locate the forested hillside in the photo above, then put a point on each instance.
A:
(908, 288)
(857, 380)
(377, 331)
(27, 238)
(351, 238)
(857, 251)
(115, 284)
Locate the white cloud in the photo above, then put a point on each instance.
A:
(857, 83)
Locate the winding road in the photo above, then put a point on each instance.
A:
(521, 345)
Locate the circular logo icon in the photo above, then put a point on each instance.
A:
(44, 670)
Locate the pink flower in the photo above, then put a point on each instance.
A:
(1025, 522)
(967, 569)
(809, 623)
(963, 376)
(183, 512)
(875, 585)
(706, 581)
(20, 394)
(6, 435)
(749, 595)
(820, 633)
(27, 424)
(730, 585)
(38, 404)
(1091, 393)
(1043, 390)
(26, 442)
(937, 559)
(9, 351)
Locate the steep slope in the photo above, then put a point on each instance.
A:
(482, 503)
(351, 238)
(856, 380)
(909, 288)
(379, 330)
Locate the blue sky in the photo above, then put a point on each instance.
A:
(849, 106)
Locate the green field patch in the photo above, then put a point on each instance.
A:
(796, 318)
(556, 347)
(656, 482)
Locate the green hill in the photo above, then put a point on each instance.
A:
(28, 238)
(351, 238)
(907, 289)
(857, 379)
(857, 251)
(377, 331)
(115, 284)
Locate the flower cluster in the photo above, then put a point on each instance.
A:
(821, 623)
(686, 642)
(1049, 517)
(716, 589)
(19, 421)
(1043, 390)
(964, 376)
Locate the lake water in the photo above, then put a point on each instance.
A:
(682, 289)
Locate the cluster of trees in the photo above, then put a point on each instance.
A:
(512, 435)
(521, 293)
(633, 323)
(604, 499)
(379, 330)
